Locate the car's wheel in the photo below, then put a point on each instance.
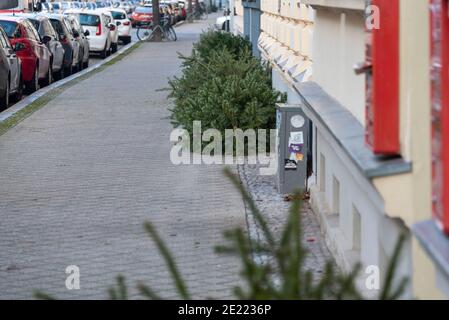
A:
(4, 101)
(33, 85)
(86, 64)
(60, 74)
(104, 53)
(68, 70)
(49, 78)
(126, 41)
(19, 93)
(114, 47)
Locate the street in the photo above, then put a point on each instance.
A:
(81, 175)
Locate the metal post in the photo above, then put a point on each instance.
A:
(231, 16)
(190, 12)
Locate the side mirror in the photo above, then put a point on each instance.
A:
(119, 23)
(76, 34)
(87, 33)
(18, 46)
(46, 39)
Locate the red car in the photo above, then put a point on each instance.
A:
(142, 16)
(32, 52)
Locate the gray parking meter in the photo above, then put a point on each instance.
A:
(292, 147)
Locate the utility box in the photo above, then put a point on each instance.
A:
(292, 148)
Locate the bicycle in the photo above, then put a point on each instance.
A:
(198, 13)
(147, 31)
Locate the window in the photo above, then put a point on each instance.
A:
(356, 230)
(118, 15)
(57, 26)
(31, 31)
(4, 40)
(439, 34)
(322, 173)
(89, 20)
(10, 28)
(336, 196)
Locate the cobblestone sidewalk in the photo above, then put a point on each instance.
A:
(275, 210)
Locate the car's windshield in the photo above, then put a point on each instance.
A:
(144, 9)
(35, 23)
(101, 5)
(89, 20)
(117, 15)
(56, 6)
(9, 27)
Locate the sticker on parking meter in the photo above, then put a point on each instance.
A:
(290, 164)
(296, 138)
(297, 121)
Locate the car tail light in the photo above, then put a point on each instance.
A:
(99, 30)
(127, 23)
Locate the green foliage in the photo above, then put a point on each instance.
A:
(283, 276)
(223, 86)
(212, 41)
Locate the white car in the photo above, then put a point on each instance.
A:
(222, 23)
(98, 23)
(123, 25)
(112, 26)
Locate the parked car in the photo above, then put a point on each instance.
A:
(70, 44)
(113, 30)
(47, 7)
(142, 15)
(98, 25)
(50, 38)
(10, 72)
(123, 25)
(34, 55)
(56, 7)
(80, 36)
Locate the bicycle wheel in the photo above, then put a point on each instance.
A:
(144, 32)
(170, 34)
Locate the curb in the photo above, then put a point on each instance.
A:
(19, 106)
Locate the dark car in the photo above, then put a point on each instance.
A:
(10, 72)
(34, 56)
(68, 41)
(51, 39)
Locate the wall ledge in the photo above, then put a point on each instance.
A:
(348, 133)
(358, 5)
(435, 243)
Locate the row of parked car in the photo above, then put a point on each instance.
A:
(38, 48)
(61, 6)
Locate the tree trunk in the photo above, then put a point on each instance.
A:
(190, 12)
(156, 21)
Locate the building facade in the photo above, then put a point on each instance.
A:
(373, 176)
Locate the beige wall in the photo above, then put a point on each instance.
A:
(339, 43)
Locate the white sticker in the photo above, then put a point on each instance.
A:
(297, 121)
(296, 138)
